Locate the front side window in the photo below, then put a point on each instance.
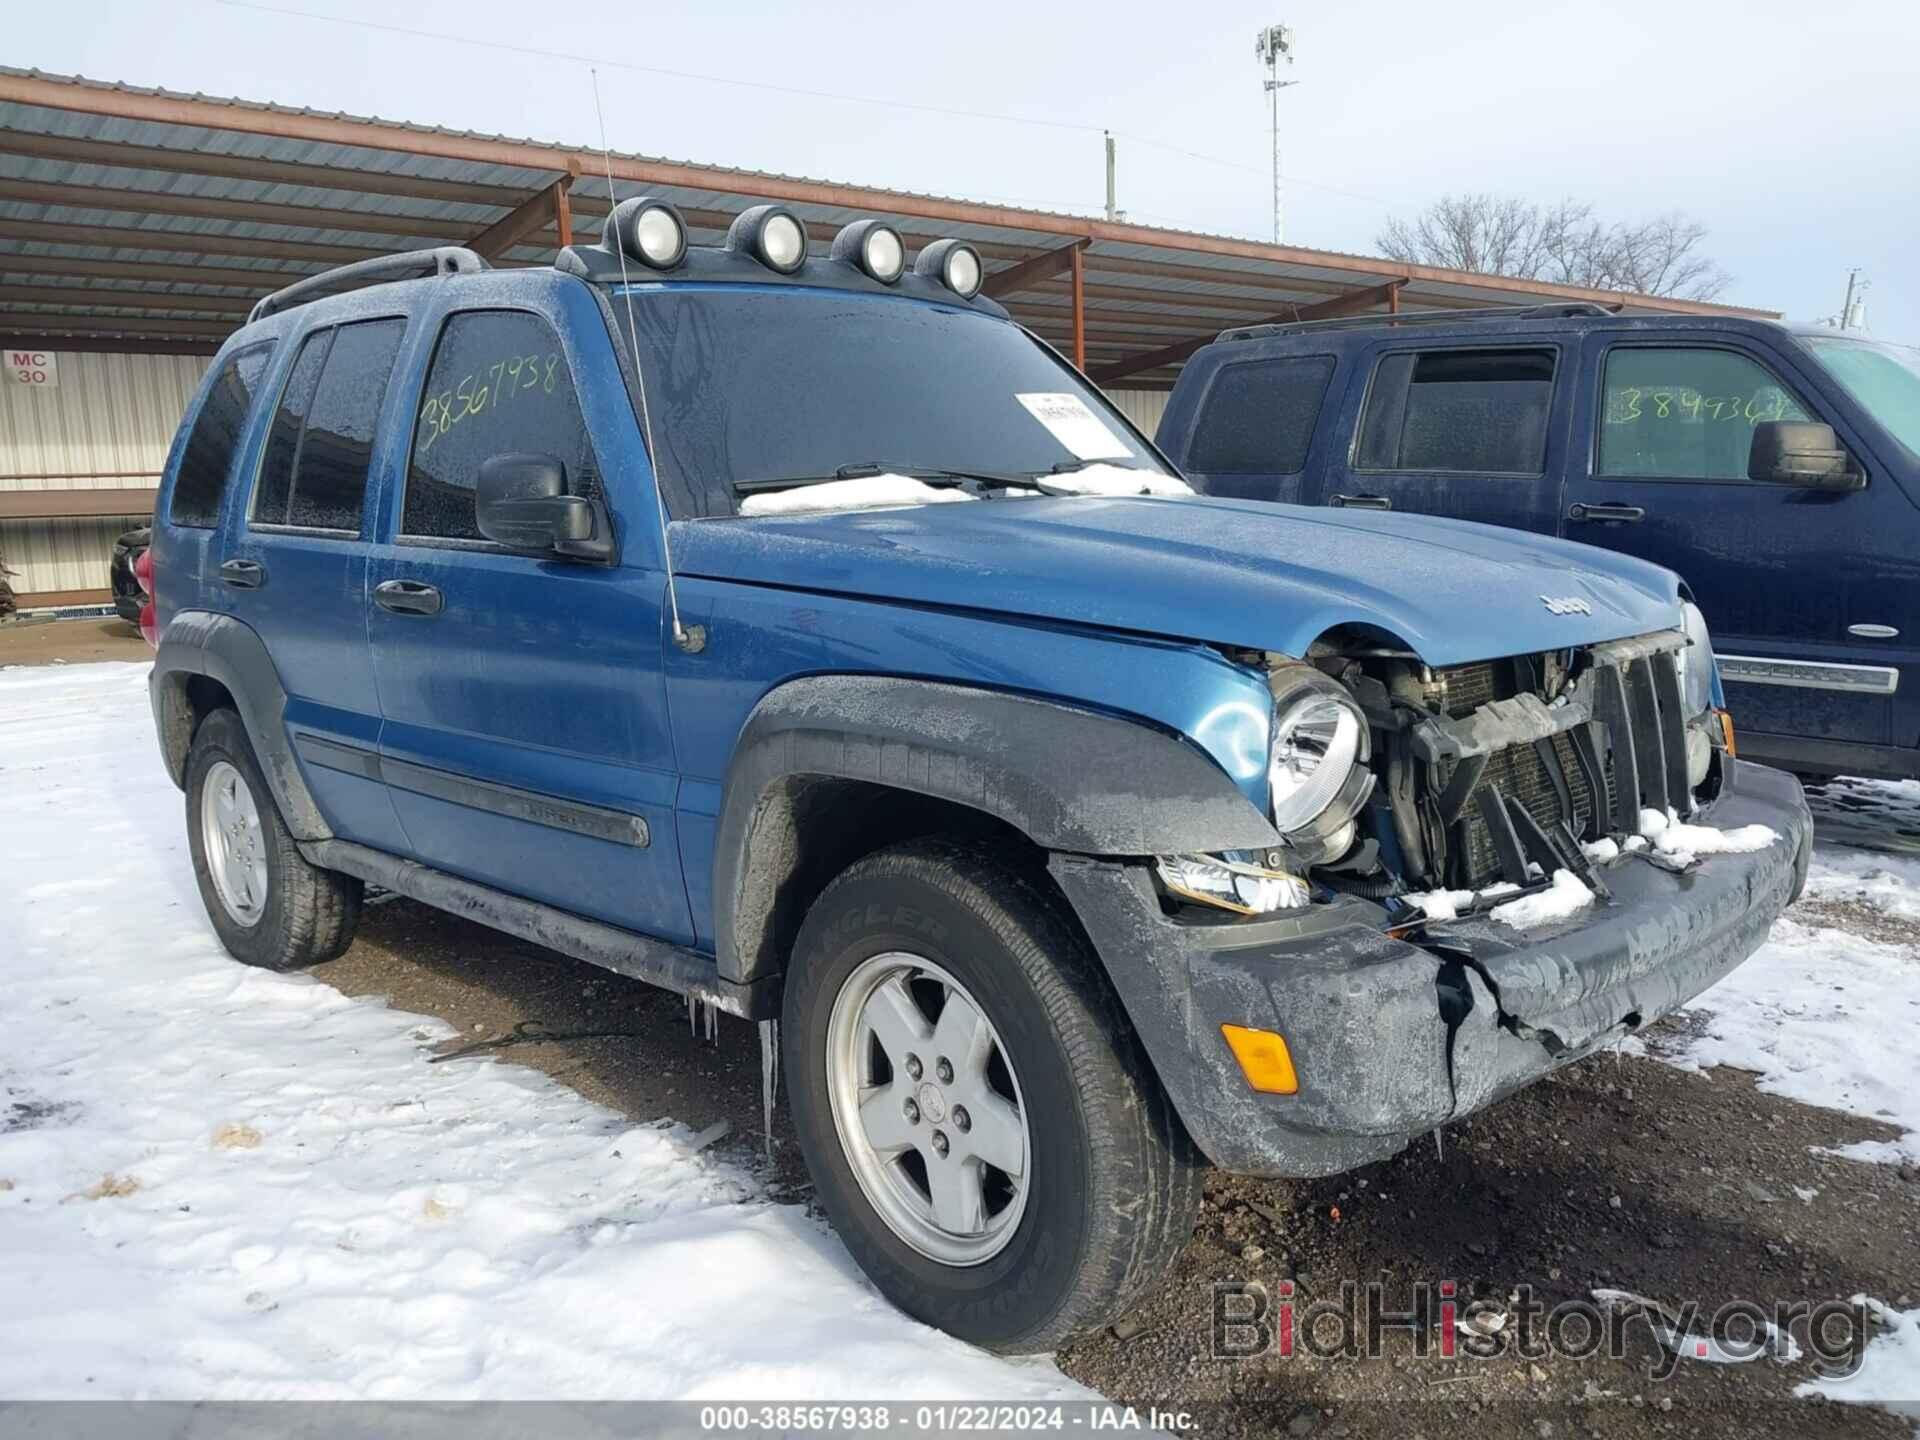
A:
(499, 385)
(1674, 413)
(207, 460)
(1258, 417)
(1481, 411)
(749, 385)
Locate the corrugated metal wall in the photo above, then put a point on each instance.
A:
(1143, 407)
(106, 425)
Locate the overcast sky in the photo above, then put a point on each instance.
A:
(1791, 130)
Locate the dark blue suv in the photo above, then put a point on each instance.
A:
(1776, 468)
(799, 634)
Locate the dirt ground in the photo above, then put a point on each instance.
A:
(1618, 1172)
(70, 642)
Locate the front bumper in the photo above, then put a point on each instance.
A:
(1392, 1038)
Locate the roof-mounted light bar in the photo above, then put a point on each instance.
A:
(771, 234)
(874, 248)
(648, 230)
(955, 264)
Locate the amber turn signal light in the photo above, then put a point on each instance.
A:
(1726, 734)
(1264, 1059)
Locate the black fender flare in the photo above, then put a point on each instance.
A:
(200, 642)
(1070, 779)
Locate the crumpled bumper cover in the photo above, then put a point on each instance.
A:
(1391, 1037)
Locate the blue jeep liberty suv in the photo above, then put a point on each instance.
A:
(796, 632)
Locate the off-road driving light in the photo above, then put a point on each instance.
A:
(955, 264)
(1317, 772)
(649, 230)
(1264, 1059)
(1228, 883)
(875, 247)
(773, 235)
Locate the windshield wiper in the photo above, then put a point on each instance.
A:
(866, 469)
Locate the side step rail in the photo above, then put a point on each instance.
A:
(638, 957)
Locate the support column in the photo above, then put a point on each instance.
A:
(1078, 268)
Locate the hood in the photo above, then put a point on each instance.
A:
(1229, 572)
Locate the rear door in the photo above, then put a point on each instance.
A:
(1471, 432)
(526, 743)
(295, 565)
(1795, 583)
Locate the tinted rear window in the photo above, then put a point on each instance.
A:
(207, 461)
(1482, 410)
(1258, 417)
(314, 474)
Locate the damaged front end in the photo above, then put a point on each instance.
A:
(1486, 784)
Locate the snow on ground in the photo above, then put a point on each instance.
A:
(1889, 1373)
(217, 1182)
(1823, 1016)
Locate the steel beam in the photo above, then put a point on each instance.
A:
(546, 206)
(1077, 254)
(1357, 302)
(1026, 274)
(26, 323)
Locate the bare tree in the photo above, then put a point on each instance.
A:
(1562, 243)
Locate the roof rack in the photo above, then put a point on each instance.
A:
(412, 265)
(1559, 310)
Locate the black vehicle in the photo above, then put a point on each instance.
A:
(128, 597)
(1775, 467)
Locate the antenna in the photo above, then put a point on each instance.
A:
(1270, 47)
(692, 640)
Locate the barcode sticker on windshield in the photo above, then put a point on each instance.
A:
(1069, 421)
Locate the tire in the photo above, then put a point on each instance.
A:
(305, 914)
(1110, 1187)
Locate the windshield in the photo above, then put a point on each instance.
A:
(1884, 378)
(752, 386)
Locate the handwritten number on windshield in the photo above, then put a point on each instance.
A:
(491, 389)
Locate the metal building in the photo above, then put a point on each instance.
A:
(138, 226)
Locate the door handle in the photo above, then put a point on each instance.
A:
(1608, 514)
(408, 597)
(243, 574)
(1360, 502)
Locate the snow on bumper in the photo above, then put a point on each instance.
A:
(1392, 1037)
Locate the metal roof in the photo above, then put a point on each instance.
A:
(146, 219)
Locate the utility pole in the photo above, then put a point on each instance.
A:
(1270, 47)
(1112, 212)
(1853, 311)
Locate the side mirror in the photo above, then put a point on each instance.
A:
(1804, 453)
(521, 501)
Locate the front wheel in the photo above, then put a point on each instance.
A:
(974, 1108)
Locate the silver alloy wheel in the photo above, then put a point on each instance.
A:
(928, 1109)
(236, 850)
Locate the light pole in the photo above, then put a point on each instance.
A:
(1271, 46)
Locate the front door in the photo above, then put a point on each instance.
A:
(526, 743)
(1473, 433)
(1798, 585)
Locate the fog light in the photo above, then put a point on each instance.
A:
(773, 235)
(955, 264)
(1264, 1059)
(874, 247)
(649, 230)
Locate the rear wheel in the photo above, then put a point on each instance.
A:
(267, 904)
(975, 1110)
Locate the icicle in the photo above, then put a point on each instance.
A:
(693, 1017)
(1438, 1153)
(769, 1077)
(713, 1024)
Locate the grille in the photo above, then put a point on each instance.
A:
(1522, 775)
(1465, 688)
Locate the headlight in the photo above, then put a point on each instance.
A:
(1232, 884)
(649, 230)
(955, 264)
(1317, 769)
(1696, 661)
(772, 234)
